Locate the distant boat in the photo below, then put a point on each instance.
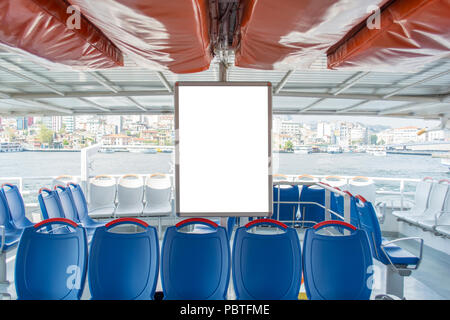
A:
(378, 151)
(133, 150)
(106, 151)
(10, 147)
(303, 149)
(166, 151)
(334, 149)
(149, 151)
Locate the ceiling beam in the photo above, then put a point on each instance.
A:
(440, 74)
(137, 104)
(351, 82)
(164, 81)
(89, 94)
(371, 97)
(95, 105)
(312, 105)
(104, 82)
(408, 106)
(282, 82)
(22, 76)
(46, 106)
(352, 107)
(294, 94)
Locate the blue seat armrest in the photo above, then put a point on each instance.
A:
(399, 269)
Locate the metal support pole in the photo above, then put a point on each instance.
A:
(327, 204)
(4, 283)
(394, 282)
(223, 72)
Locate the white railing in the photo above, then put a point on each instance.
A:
(398, 192)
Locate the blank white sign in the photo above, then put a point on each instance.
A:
(223, 149)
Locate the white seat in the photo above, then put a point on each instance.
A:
(102, 196)
(158, 191)
(435, 205)
(363, 186)
(442, 222)
(421, 197)
(335, 181)
(63, 180)
(444, 230)
(130, 192)
(307, 178)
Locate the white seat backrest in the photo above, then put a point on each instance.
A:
(307, 177)
(102, 191)
(280, 177)
(422, 195)
(437, 197)
(444, 219)
(158, 189)
(364, 187)
(63, 180)
(335, 181)
(130, 189)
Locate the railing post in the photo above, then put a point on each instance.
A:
(402, 188)
(327, 204)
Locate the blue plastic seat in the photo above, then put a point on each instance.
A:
(50, 204)
(266, 266)
(288, 211)
(124, 266)
(67, 204)
(16, 206)
(383, 253)
(337, 205)
(195, 266)
(231, 222)
(5, 220)
(312, 212)
(336, 267)
(51, 266)
(80, 203)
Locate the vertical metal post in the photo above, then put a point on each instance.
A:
(347, 213)
(278, 203)
(327, 204)
(223, 72)
(394, 282)
(402, 188)
(4, 283)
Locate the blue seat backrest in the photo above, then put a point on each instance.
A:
(51, 266)
(287, 211)
(16, 206)
(5, 215)
(337, 267)
(67, 203)
(80, 201)
(195, 266)
(50, 204)
(312, 212)
(124, 266)
(337, 205)
(266, 266)
(369, 222)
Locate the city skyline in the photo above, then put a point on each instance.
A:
(288, 131)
